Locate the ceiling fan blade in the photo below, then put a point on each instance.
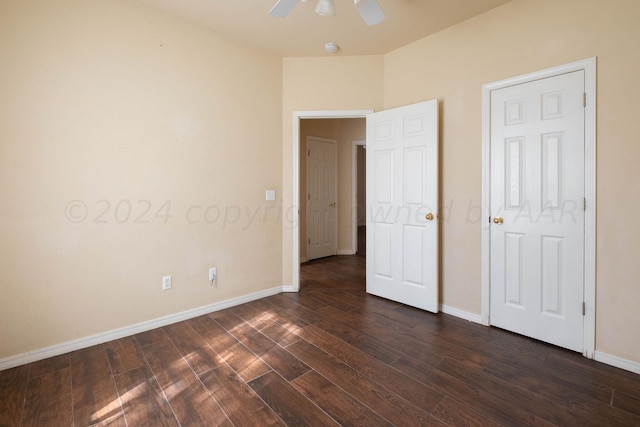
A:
(371, 12)
(282, 8)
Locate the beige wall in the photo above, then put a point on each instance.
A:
(521, 37)
(344, 132)
(115, 105)
(317, 84)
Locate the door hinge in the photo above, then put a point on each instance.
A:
(584, 308)
(584, 99)
(584, 204)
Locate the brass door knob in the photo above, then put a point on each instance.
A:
(429, 216)
(498, 220)
(333, 205)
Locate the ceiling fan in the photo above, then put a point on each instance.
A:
(369, 10)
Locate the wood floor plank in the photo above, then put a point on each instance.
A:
(253, 317)
(289, 307)
(118, 421)
(191, 402)
(455, 413)
(304, 299)
(283, 335)
(386, 403)
(340, 405)
(479, 344)
(241, 404)
(485, 403)
(13, 390)
(90, 362)
(95, 400)
(330, 299)
(143, 401)
(272, 354)
(151, 337)
(291, 406)
(558, 408)
(239, 357)
(405, 339)
(368, 344)
(112, 422)
(48, 401)
(414, 392)
(627, 402)
(593, 373)
(541, 380)
(198, 354)
(124, 355)
(49, 365)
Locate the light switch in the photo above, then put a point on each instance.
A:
(270, 195)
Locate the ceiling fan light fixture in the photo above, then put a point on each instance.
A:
(326, 8)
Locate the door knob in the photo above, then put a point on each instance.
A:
(333, 205)
(498, 220)
(429, 216)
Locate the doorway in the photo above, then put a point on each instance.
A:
(343, 205)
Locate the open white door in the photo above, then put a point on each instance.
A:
(402, 203)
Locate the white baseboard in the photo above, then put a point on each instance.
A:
(289, 288)
(475, 318)
(618, 362)
(346, 252)
(58, 349)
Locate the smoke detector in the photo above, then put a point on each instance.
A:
(331, 47)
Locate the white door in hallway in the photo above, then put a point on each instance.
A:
(537, 204)
(402, 202)
(321, 198)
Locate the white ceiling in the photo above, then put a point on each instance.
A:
(303, 33)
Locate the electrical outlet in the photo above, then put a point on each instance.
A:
(166, 283)
(213, 273)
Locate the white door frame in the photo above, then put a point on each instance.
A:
(354, 191)
(589, 68)
(297, 116)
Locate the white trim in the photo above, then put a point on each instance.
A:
(618, 362)
(346, 252)
(66, 347)
(295, 226)
(471, 317)
(354, 193)
(589, 67)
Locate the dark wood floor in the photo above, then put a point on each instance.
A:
(329, 355)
